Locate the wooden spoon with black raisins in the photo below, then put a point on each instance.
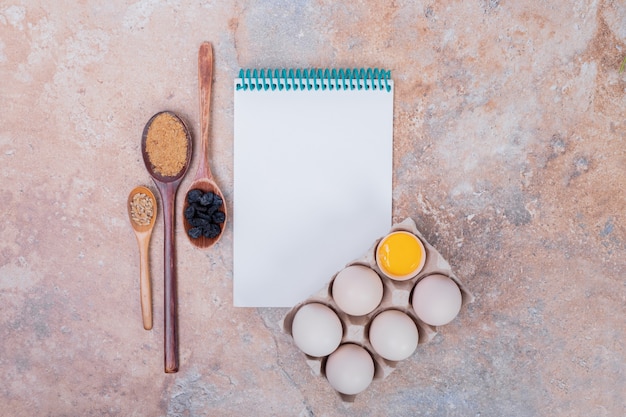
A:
(204, 210)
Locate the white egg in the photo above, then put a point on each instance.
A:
(316, 329)
(393, 335)
(437, 300)
(357, 290)
(350, 369)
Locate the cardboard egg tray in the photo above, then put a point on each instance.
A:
(396, 295)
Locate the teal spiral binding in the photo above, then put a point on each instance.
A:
(314, 79)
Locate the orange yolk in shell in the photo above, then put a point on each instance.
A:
(400, 254)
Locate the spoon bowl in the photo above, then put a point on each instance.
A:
(154, 173)
(204, 179)
(142, 224)
(205, 185)
(167, 186)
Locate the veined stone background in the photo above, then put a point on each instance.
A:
(509, 153)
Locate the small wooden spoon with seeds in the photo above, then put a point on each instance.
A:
(204, 179)
(142, 211)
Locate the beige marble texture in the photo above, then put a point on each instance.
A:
(510, 130)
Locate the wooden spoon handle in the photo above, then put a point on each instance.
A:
(145, 290)
(205, 79)
(170, 313)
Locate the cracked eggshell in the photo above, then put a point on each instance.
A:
(400, 255)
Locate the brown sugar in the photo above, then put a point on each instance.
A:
(166, 145)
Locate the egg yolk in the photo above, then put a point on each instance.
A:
(400, 254)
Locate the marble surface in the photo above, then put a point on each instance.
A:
(509, 154)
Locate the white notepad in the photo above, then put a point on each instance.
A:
(312, 178)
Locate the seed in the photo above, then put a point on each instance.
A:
(141, 209)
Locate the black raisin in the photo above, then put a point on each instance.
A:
(217, 201)
(199, 207)
(198, 222)
(195, 232)
(194, 196)
(190, 211)
(201, 215)
(218, 217)
(211, 230)
(207, 199)
(212, 209)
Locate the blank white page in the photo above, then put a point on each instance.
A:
(312, 188)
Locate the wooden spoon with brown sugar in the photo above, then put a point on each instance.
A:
(166, 149)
